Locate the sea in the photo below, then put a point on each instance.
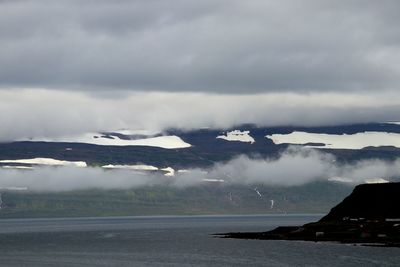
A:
(173, 241)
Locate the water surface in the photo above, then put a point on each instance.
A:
(172, 241)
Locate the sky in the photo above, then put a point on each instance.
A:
(72, 66)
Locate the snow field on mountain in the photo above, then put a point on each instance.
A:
(167, 142)
(338, 141)
(237, 135)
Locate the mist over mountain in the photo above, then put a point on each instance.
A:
(246, 154)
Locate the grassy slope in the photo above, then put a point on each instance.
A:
(316, 197)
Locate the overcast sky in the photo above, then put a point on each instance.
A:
(90, 65)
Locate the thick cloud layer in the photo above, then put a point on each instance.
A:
(211, 45)
(297, 167)
(294, 167)
(46, 113)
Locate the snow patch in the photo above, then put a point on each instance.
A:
(168, 141)
(131, 167)
(336, 141)
(213, 180)
(46, 161)
(169, 171)
(376, 181)
(17, 167)
(136, 132)
(340, 179)
(237, 135)
(349, 180)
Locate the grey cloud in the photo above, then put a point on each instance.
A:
(46, 113)
(301, 166)
(294, 167)
(216, 46)
(70, 178)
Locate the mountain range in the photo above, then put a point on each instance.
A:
(204, 147)
(174, 152)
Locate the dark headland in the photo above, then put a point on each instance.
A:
(370, 215)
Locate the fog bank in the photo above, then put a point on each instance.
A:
(294, 167)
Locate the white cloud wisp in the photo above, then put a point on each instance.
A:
(294, 167)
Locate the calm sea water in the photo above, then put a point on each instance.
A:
(172, 241)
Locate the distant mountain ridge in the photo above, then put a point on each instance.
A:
(203, 147)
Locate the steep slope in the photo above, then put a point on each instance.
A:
(368, 201)
(369, 216)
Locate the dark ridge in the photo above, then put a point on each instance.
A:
(370, 201)
(370, 215)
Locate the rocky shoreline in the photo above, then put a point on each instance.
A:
(369, 216)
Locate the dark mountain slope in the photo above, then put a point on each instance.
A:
(205, 151)
(370, 202)
(370, 215)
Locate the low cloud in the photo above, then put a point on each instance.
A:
(45, 113)
(72, 178)
(301, 166)
(293, 167)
